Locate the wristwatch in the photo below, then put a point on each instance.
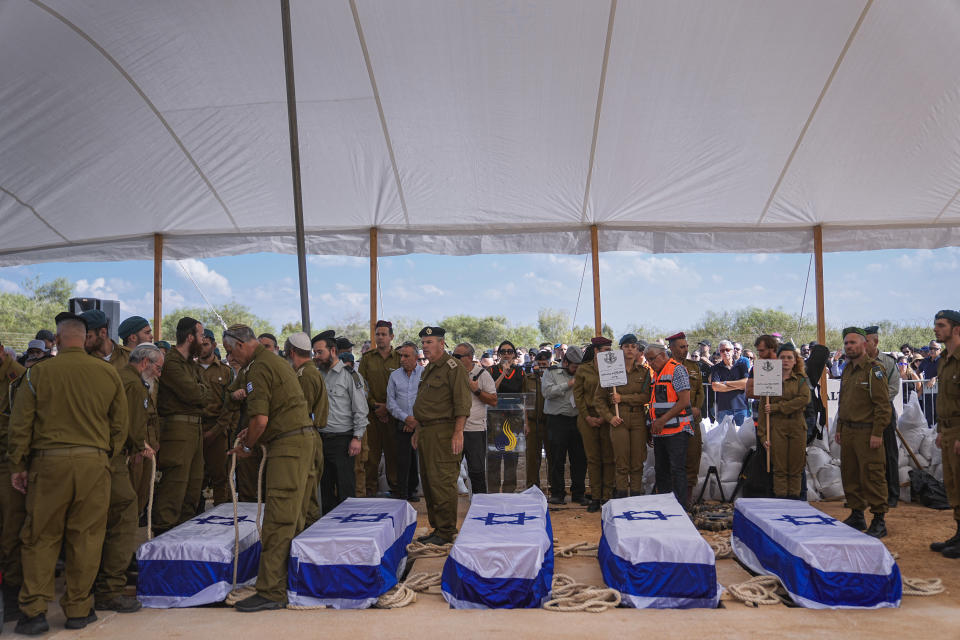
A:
(477, 393)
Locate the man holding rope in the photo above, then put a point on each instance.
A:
(280, 420)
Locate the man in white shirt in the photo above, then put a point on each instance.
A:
(475, 432)
(401, 394)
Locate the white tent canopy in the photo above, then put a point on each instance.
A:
(460, 127)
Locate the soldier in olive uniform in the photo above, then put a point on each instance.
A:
(278, 418)
(181, 399)
(12, 505)
(375, 367)
(782, 426)
(593, 429)
(67, 420)
(628, 431)
(679, 350)
(99, 343)
(863, 413)
(890, 447)
(134, 331)
(442, 406)
(120, 541)
(946, 329)
(536, 420)
(314, 389)
(219, 419)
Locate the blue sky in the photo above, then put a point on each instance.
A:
(665, 291)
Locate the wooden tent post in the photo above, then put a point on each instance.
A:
(595, 252)
(821, 318)
(157, 285)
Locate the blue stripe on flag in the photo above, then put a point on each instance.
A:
(656, 579)
(350, 581)
(184, 578)
(831, 588)
(501, 593)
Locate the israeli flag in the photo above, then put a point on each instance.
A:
(653, 555)
(192, 564)
(503, 557)
(352, 555)
(822, 563)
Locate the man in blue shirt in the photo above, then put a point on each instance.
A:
(729, 378)
(928, 371)
(401, 394)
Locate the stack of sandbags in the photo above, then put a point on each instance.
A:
(649, 473)
(823, 466)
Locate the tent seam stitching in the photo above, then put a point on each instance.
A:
(35, 213)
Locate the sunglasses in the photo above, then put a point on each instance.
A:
(506, 352)
(724, 350)
(461, 356)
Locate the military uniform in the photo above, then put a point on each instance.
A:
(596, 440)
(376, 370)
(274, 391)
(891, 449)
(248, 469)
(442, 397)
(70, 415)
(119, 357)
(318, 405)
(12, 502)
(788, 434)
(694, 444)
(120, 540)
(948, 425)
(219, 419)
(141, 470)
(863, 411)
(629, 440)
(181, 399)
(537, 438)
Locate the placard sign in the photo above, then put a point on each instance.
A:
(768, 378)
(612, 370)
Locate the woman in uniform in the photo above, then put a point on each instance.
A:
(628, 432)
(783, 428)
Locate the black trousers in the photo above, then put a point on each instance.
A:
(408, 473)
(475, 451)
(338, 481)
(565, 442)
(670, 464)
(892, 453)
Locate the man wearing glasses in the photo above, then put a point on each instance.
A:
(475, 431)
(728, 378)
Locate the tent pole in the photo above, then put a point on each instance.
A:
(157, 285)
(295, 164)
(821, 317)
(373, 281)
(595, 252)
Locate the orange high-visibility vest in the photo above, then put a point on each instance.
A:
(663, 397)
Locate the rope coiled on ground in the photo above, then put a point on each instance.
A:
(405, 593)
(720, 545)
(421, 550)
(569, 595)
(758, 590)
(922, 586)
(582, 548)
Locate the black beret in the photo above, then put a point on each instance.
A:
(433, 331)
(872, 330)
(343, 343)
(329, 334)
(948, 314)
(66, 315)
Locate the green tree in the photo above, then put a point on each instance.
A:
(23, 314)
(232, 312)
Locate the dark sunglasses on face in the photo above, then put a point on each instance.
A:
(724, 350)
(461, 356)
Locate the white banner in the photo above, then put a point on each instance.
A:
(768, 378)
(612, 370)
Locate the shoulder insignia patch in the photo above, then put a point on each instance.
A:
(249, 387)
(452, 363)
(878, 372)
(12, 375)
(145, 405)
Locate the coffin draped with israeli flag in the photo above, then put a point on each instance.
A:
(351, 556)
(192, 564)
(822, 563)
(503, 556)
(653, 555)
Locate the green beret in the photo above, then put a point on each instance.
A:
(95, 318)
(438, 332)
(856, 330)
(628, 338)
(163, 344)
(786, 346)
(130, 326)
(208, 333)
(872, 330)
(948, 314)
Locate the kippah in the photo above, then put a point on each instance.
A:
(187, 323)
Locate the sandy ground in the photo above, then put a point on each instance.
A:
(911, 529)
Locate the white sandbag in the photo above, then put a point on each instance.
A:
(813, 487)
(817, 458)
(833, 491)
(728, 489)
(936, 471)
(747, 434)
(730, 472)
(732, 449)
(828, 474)
(713, 439)
(936, 455)
(463, 477)
(928, 444)
(912, 417)
(649, 479)
(905, 494)
(904, 476)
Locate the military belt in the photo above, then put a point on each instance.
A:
(295, 432)
(183, 418)
(859, 425)
(632, 408)
(427, 423)
(66, 451)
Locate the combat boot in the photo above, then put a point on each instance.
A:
(11, 611)
(80, 623)
(856, 520)
(940, 546)
(594, 506)
(32, 626)
(617, 493)
(878, 528)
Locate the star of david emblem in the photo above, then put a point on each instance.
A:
(226, 521)
(505, 518)
(651, 515)
(362, 517)
(799, 521)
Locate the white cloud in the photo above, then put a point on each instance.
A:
(874, 267)
(8, 286)
(112, 289)
(432, 290)
(211, 282)
(755, 258)
(337, 261)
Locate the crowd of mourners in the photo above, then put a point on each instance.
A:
(83, 419)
